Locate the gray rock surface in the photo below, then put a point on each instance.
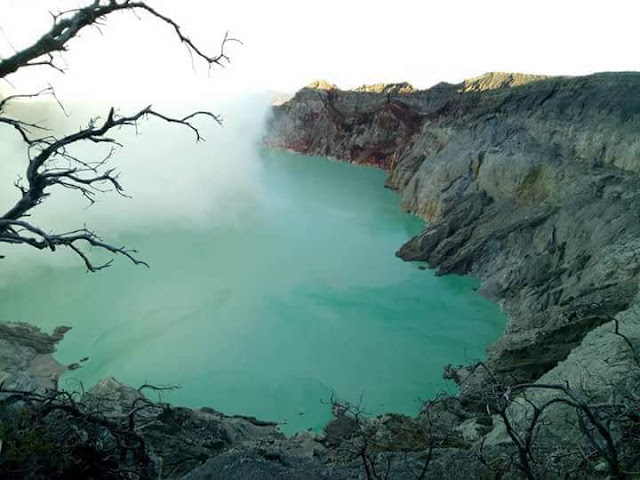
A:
(26, 360)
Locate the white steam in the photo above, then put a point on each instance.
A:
(174, 182)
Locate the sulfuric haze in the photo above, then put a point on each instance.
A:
(172, 179)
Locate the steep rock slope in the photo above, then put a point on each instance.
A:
(528, 182)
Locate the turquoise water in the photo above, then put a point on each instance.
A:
(270, 313)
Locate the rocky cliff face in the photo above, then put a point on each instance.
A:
(26, 357)
(528, 182)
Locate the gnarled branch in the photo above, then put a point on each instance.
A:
(50, 161)
(67, 25)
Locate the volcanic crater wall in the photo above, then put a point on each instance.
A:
(528, 182)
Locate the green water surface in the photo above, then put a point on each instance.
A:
(269, 313)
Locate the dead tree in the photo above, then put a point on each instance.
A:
(607, 430)
(51, 162)
(402, 446)
(59, 434)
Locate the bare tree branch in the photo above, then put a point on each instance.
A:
(67, 25)
(51, 161)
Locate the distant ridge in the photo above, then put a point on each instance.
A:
(496, 80)
(481, 83)
(322, 85)
(401, 88)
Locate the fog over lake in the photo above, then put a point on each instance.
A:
(273, 280)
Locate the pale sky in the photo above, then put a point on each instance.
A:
(289, 43)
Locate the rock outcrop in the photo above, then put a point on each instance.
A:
(26, 360)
